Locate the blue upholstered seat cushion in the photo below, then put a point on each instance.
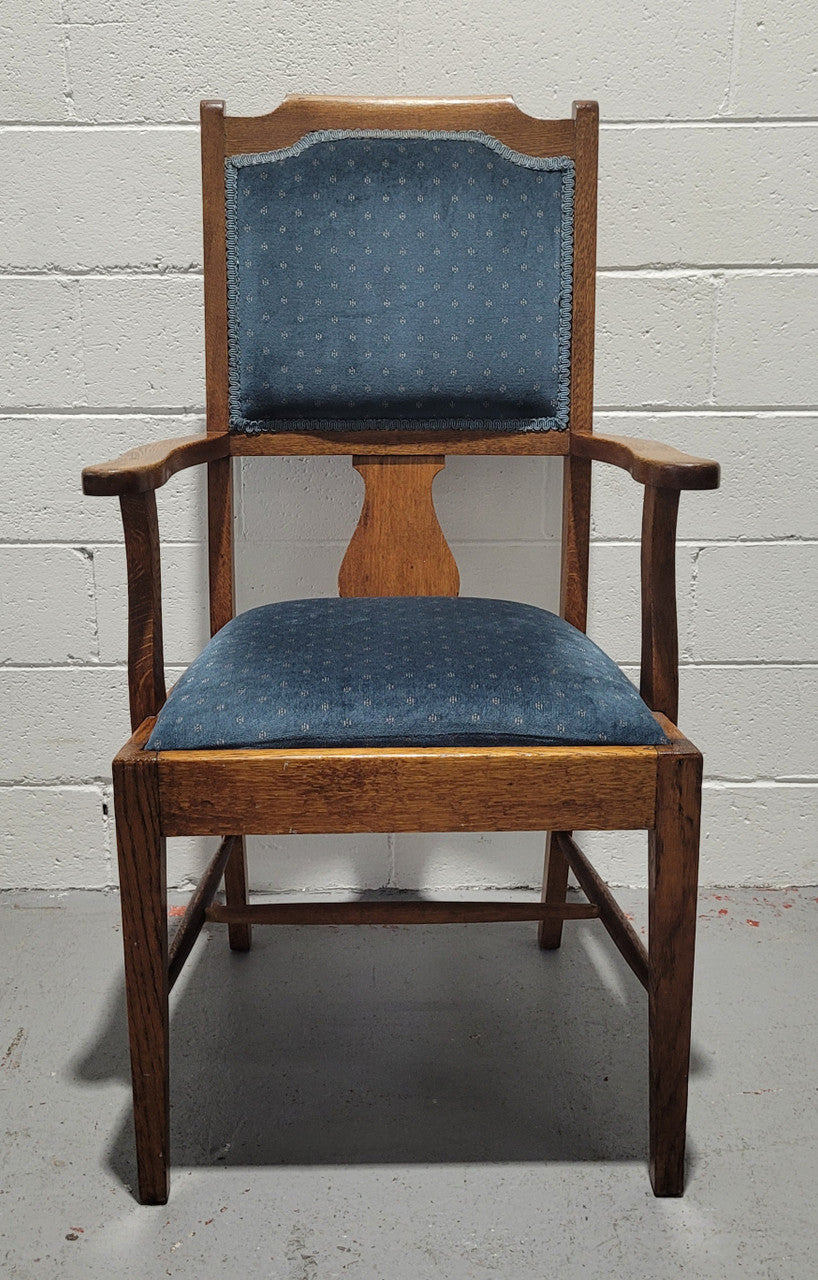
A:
(382, 279)
(418, 671)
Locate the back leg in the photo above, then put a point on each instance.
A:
(554, 889)
(235, 891)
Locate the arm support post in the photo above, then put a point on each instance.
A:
(659, 674)
(146, 664)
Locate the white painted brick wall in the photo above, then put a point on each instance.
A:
(708, 310)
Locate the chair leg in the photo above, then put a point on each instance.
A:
(673, 856)
(554, 890)
(240, 936)
(143, 891)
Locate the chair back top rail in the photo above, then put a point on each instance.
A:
(305, 113)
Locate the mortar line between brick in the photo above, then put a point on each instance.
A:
(108, 828)
(400, 44)
(626, 664)
(95, 600)
(81, 316)
(68, 90)
(735, 50)
(718, 289)
(688, 645)
(683, 272)
(707, 410)
(724, 122)
(104, 273)
(332, 544)
(102, 411)
(610, 410)
(658, 410)
(701, 543)
(648, 271)
(192, 126)
(601, 410)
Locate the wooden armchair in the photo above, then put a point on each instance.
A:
(398, 280)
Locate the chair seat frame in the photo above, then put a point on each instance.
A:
(557, 789)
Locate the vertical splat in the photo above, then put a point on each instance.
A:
(398, 548)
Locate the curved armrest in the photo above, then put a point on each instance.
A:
(151, 465)
(649, 462)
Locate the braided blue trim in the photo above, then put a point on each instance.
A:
(252, 427)
(231, 181)
(244, 426)
(566, 300)
(433, 135)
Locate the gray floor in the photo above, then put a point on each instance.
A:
(408, 1103)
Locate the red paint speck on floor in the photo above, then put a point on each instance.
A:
(723, 911)
(754, 923)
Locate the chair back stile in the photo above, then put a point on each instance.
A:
(398, 547)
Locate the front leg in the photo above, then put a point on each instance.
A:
(143, 893)
(673, 882)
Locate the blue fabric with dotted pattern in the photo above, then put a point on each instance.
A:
(392, 280)
(421, 671)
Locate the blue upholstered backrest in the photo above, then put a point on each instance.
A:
(399, 280)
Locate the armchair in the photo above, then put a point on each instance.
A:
(397, 280)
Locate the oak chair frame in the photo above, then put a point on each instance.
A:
(555, 789)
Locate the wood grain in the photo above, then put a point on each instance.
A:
(221, 571)
(149, 466)
(343, 789)
(143, 896)
(650, 462)
(300, 114)
(240, 934)
(576, 541)
(659, 671)
(219, 473)
(146, 666)
(396, 911)
(398, 547)
(554, 889)
(586, 125)
(214, 213)
(620, 929)
(673, 872)
(190, 926)
(304, 443)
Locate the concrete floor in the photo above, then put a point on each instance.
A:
(400, 1103)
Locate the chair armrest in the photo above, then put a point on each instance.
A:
(649, 462)
(151, 465)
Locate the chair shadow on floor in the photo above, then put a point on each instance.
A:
(445, 1044)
